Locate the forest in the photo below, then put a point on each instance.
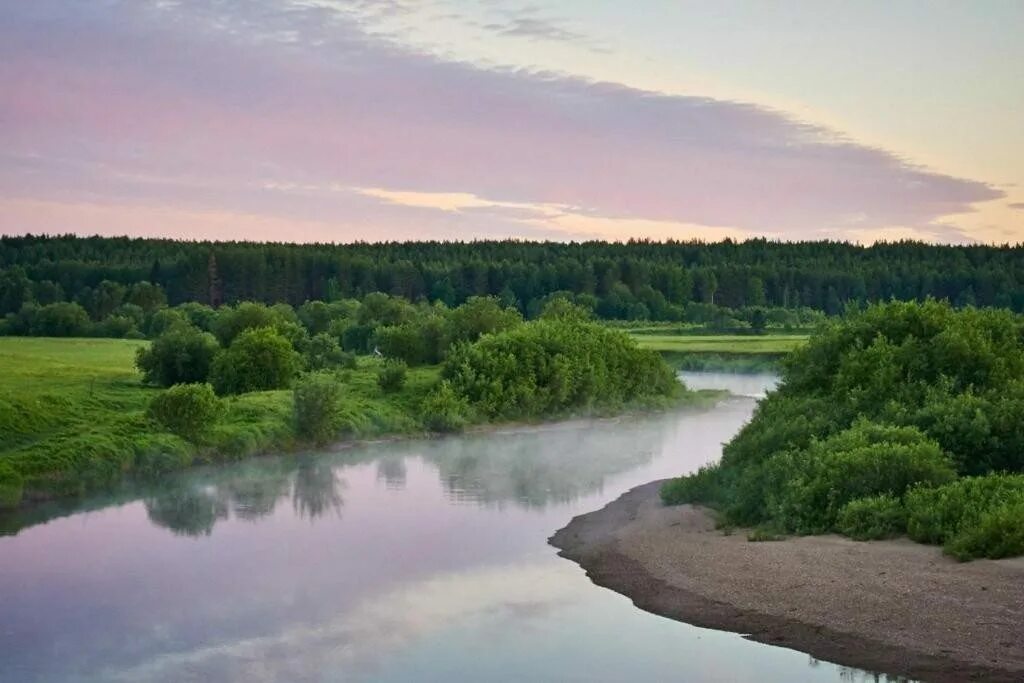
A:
(637, 280)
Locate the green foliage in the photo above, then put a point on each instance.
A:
(188, 410)
(323, 352)
(233, 321)
(61, 319)
(697, 488)
(443, 410)
(933, 380)
(423, 342)
(317, 398)
(479, 316)
(182, 355)
(200, 315)
(939, 515)
(258, 360)
(998, 533)
(11, 485)
(165, 319)
(73, 417)
(549, 367)
(806, 489)
(560, 308)
(873, 518)
(391, 377)
(663, 281)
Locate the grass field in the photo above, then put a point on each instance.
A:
(72, 417)
(775, 344)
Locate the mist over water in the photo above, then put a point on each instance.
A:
(416, 560)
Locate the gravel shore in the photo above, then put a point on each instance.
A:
(896, 607)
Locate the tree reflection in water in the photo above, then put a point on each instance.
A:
(192, 504)
(187, 511)
(392, 471)
(317, 489)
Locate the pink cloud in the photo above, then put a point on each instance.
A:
(199, 105)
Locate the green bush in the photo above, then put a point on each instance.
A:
(258, 359)
(182, 355)
(317, 402)
(549, 367)
(443, 410)
(11, 485)
(481, 315)
(61, 319)
(164, 320)
(423, 342)
(998, 533)
(188, 410)
(946, 381)
(392, 375)
(809, 487)
(323, 352)
(939, 514)
(696, 488)
(872, 518)
(248, 315)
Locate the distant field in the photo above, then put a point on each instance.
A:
(721, 344)
(53, 387)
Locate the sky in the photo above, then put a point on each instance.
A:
(337, 121)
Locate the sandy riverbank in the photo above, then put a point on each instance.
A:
(890, 606)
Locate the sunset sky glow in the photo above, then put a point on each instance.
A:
(325, 120)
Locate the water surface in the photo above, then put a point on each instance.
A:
(419, 560)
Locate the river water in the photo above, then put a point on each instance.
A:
(402, 561)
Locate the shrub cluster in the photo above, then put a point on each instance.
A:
(971, 517)
(443, 410)
(188, 410)
(392, 376)
(181, 355)
(873, 420)
(549, 367)
(258, 360)
(873, 517)
(317, 401)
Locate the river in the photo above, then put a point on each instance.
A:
(401, 561)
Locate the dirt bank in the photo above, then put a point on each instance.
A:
(890, 606)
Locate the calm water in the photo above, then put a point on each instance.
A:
(405, 561)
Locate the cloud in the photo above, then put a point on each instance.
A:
(354, 643)
(208, 106)
(536, 28)
(1016, 205)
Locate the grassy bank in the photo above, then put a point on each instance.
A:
(73, 417)
(732, 344)
(729, 353)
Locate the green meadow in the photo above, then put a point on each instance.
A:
(73, 415)
(722, 344)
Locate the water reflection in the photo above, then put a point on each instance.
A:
(317, 489)
(392, 471)
(187, 512)
(529, 467)
(386, 562)
(191, 505)
(517, 467)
